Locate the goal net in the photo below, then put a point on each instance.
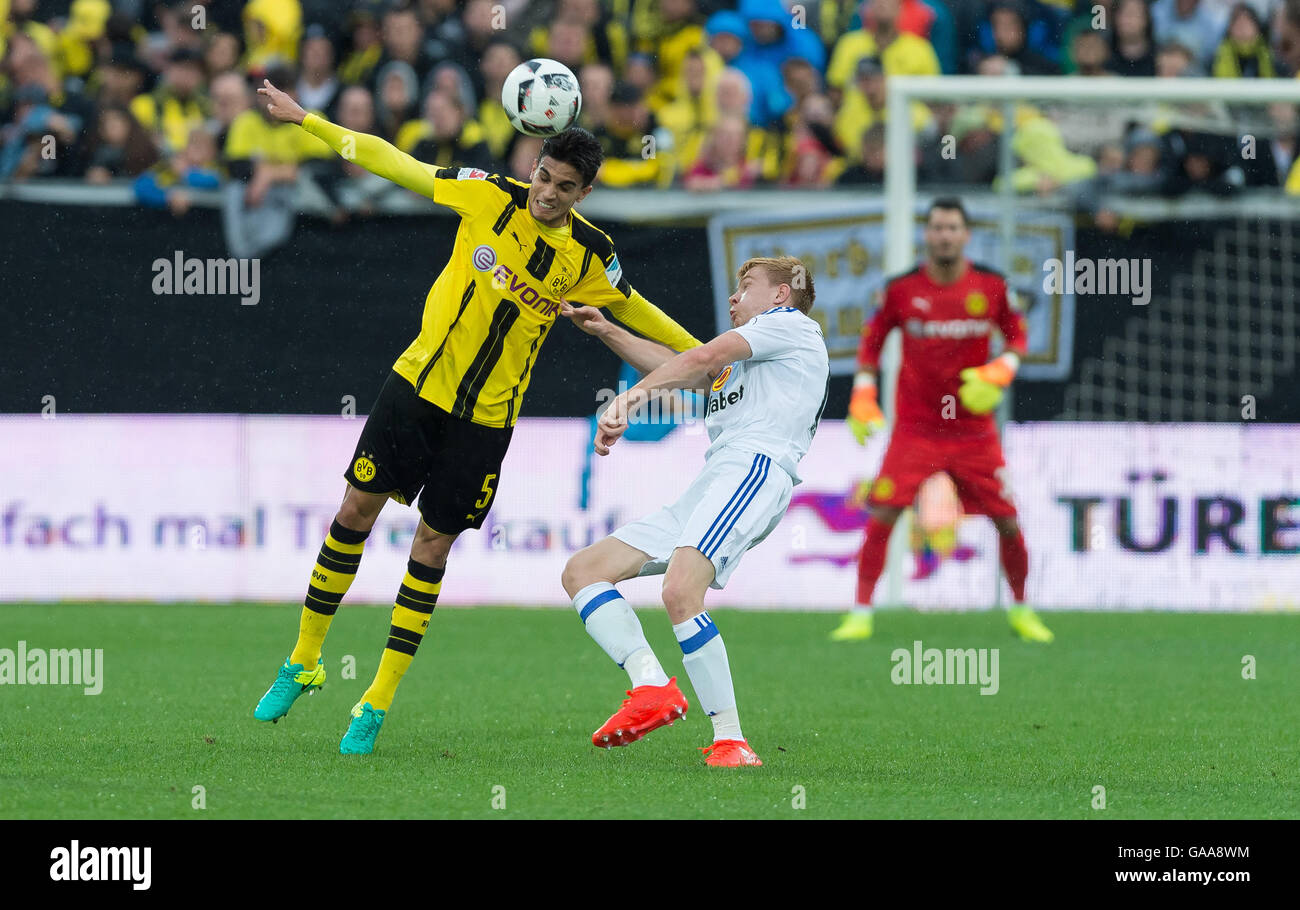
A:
(1174, 301)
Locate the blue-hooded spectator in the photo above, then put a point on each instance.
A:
(769, 42)
(1044, 27)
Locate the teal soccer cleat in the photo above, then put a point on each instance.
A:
(360, 738)
(292, 680)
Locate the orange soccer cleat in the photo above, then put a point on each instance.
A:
(730, 753)
(646, 708)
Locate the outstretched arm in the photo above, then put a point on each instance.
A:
(642, 354)
(643, 316)
(692, 369)
(370, 152)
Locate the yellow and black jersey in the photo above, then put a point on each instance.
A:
(496, 300)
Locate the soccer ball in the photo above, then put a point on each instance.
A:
(541, 97)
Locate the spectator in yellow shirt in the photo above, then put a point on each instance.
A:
(178, 105)
(638, 152)
(446, 136)
(77, 41)
(677, 32)
(900, 53)
(1244, 51)
(604, 38)
(695, 108)
(263, 157)
(16, 18)
(864, 107)
(367, 49)
(814, 158)
(272, 29)
(266, 151)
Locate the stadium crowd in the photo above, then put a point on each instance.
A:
(692, 93)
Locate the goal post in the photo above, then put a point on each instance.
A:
(900, 189)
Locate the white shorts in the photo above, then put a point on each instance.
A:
(734, 503)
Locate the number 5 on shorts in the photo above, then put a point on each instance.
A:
(487, 491)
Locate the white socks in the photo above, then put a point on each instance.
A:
(705, 658)
(613, 625)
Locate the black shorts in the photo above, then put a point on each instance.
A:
(411, 446)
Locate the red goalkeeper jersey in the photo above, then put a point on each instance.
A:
(946, 328)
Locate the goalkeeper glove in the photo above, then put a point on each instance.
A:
(981, 387)
(864, 413)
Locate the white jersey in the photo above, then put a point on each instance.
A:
(770, 404)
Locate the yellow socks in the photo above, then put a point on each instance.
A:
(415, 602)
(331, 577)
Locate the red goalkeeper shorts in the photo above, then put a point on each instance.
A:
(974, 463)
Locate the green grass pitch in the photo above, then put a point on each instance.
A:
(1153, 707)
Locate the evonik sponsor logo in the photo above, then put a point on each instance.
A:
(504, 278)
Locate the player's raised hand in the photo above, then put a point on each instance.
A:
(280, 105)
(588, 318)
(611, 425)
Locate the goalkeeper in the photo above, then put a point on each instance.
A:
(947, 309)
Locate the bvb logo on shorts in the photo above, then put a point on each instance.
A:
(364, 469)
(722, 378)
(883, 488)
(976, 303)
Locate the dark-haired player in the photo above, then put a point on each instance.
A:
(443, 420)
(947, 308)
